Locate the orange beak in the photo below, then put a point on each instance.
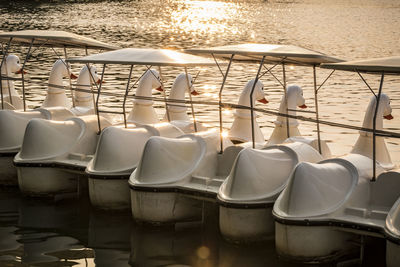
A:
(194, 92)
(388, 117)
(73, 76)
(303, 106)
(263, 100)
(159, 89)
(20, 71)
(100, 82)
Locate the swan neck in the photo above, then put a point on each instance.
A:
(83, 98)
(7, 85)
(369, 116)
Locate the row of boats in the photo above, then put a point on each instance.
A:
(290, 186)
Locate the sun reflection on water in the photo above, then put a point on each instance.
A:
(202, 16)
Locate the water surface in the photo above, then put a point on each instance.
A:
(348, 29)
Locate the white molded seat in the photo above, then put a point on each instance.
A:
(119, 149)
(258, 176)
(48, 140)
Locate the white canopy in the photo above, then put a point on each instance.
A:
(54, 39)
(377, 65)
(145, 56)
(274, 53)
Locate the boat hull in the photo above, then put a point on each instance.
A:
(164, 207)
(42, 181)
(109, 194)
(241, 225)
(313, 243)
(8, 175)
(392, 254)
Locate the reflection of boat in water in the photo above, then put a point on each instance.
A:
(39, 231)
(109, 238)
(9, 215)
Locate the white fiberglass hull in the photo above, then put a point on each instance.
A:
(8, 175)
(242, 225)
(163, 207)
(109, 194)
(392, 254)
(42, 181)
(313, 243)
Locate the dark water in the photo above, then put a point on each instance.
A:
(70, 233)
(37, 233)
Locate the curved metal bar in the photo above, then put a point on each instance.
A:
(164, 94)
(220, 99)
(251, 102)
(22, 73)
(69, 76)
(378, 97)
(316, 108)
(369, 87)
(286, 100)
(98, 96)
(91, 78)
(191, 102)
(126, 95)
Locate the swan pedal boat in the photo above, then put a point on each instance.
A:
(332, 204)
(169, 193)
(56, 106)
(66, 162)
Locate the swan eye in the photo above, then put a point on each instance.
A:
(17, 61)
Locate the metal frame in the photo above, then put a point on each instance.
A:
(374, 133)
(128, 88)
(225, 76)
(251, 102)
(26, 59)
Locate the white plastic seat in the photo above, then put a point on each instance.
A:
(168, 161)
(112, 156)
(48, 140)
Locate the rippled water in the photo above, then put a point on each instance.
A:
(348, 29)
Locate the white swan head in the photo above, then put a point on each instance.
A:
(387, 109)
(384, 112)
(86, 78)
(258, 94)
(61, 67)
(12, 65)
(180, 86)
(241, 127)
(153, 77)
(295, 96)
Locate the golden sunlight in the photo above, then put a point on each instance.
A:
(203, 16)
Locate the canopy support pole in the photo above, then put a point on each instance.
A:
(126, 95)
(251, 102)
(1, 74)
(316, 109)
(378, 97)
(225, 76)
(165, 95)
(22, 73)
(98, 96)
(191, 102)
(69, 76)
(286, 100)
